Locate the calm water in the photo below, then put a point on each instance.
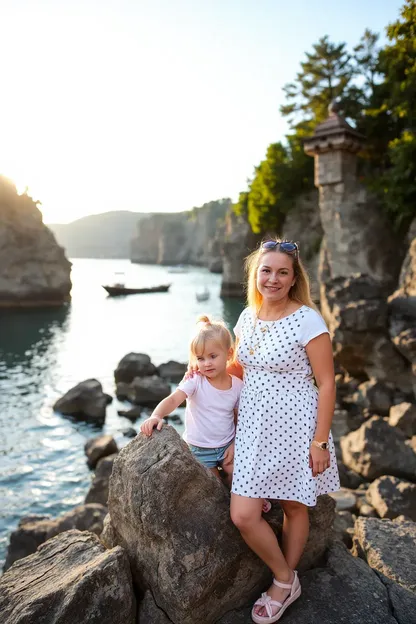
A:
(44, 353)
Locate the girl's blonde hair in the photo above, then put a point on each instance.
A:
(209, 330)
(300, 291)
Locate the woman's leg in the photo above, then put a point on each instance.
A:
(256, 532)
(295, 531)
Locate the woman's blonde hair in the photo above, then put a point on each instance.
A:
(300, 291)
(209, 330)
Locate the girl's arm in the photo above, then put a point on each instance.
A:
(164, 408)
(319, 352)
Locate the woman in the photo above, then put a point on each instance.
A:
(284, 448)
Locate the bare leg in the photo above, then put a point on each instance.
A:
(255, 531)
(228, 471)
(215, 472)
(295, 531)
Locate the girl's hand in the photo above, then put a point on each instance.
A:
(319, 460)
(192, 370)
(150, 423)
(229, 455)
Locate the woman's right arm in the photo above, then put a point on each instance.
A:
(164, 408)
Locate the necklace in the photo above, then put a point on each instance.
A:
(264, 330)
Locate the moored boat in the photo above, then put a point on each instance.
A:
(118, 290)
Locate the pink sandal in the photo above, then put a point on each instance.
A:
(266, 601)
(266, 506)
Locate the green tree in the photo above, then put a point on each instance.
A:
(325, 75)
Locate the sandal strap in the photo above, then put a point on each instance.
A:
(286, 585)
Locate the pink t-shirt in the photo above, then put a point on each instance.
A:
(209, 414)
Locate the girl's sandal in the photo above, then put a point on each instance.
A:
(266, 601)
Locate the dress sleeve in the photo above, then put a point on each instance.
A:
(313, 326)
(189, 385)
(237, 328)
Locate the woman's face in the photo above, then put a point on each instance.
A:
(275, 276)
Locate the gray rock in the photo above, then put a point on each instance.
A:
(86, 401)
(135, 412)
(367, 511)
(71, 578)
(129, 432)
(32, 531)
(97, 448)
(172, 371)
(348, 478)
(148, 391)
(345, 499)
(377, 448)
(98, 492)
(339, 426)
(149, 612)
(346, 590)
(403, 416)
(34, 269)
(393, 497)
(388, 546)
(375, 396)
(172, 517)
(344, 527)
(108, 535)
(134, 365)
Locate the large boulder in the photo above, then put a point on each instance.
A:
(172, 371)
(97, 448)
(392, 497)
(134, 365)
(375, 396)
(388, 546)
(376, 449)
(356, 311)
(71, 578)
(34, 269)
(346, 590)
(172, 517)
(86, 401)
(403, 416)
(98, 492)
(148, 391)
(33, 531)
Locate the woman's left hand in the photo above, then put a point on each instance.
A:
(319, 460)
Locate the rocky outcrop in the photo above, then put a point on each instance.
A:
(392, 497)
(97, 448)
(239, 242)
(172, 371)
(377, 449)
(181, 238)
(71, 578)
(134, 365)
(34, 269)
(35, 530)
(172, 517)
(388, 547)
(403, 416)
(98, 492)
(85, 401)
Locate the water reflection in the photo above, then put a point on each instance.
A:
(231, 310)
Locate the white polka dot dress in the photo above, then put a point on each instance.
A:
(278, 410)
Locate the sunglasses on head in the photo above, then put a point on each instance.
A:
(285, 246)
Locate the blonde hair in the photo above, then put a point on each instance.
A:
(209, 330)
(300, 291)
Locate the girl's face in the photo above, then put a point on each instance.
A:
(213, 361)
(275, 276)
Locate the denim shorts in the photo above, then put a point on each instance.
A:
(209, 457)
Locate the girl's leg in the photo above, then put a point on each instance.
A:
(256, 532)
(295, 531)
(228, 472)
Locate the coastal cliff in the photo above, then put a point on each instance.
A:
(34, 269)
(189, 237)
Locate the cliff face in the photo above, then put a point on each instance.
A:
(181, 238)
(34, 269)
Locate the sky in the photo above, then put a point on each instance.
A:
(153, 105)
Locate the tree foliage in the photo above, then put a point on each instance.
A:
(377, 90)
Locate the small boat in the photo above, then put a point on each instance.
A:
(118, 290)
(203, 295)
(180, 268)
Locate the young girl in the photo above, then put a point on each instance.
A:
(212, 399)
